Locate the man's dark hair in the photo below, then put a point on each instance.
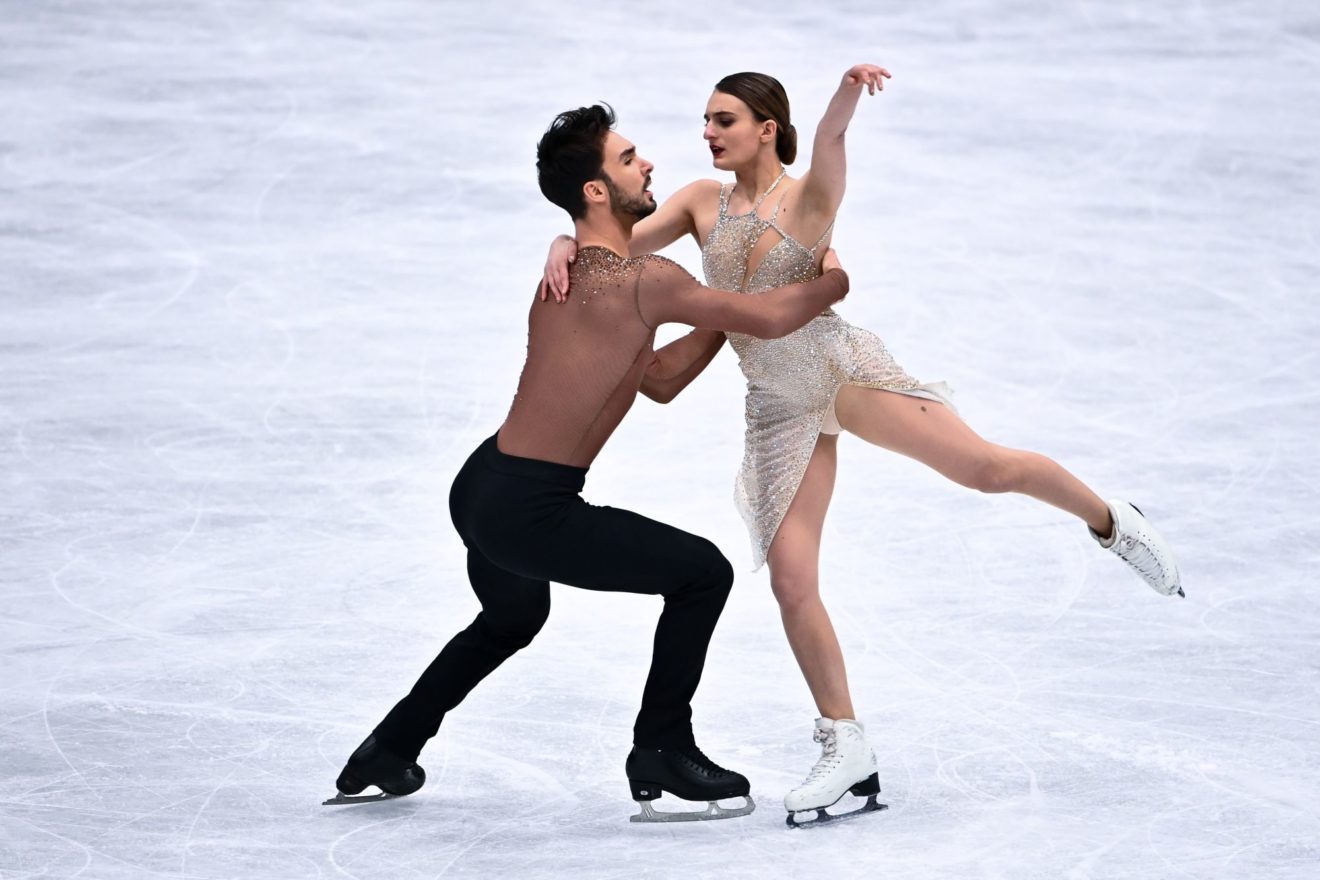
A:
(570, 153)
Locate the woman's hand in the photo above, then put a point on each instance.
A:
(563, 251)
(867, 75)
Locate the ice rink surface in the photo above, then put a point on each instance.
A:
(265, 269)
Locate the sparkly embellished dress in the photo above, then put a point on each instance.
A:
(791, 381)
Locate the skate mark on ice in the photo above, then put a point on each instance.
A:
(192, 826)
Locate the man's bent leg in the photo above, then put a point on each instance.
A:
(603, 548)
(513, 609)
(678, 654)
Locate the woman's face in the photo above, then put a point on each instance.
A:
(732, 132)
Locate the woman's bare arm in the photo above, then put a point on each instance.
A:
(671, 221)
(823, 184)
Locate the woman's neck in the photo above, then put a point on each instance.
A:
(753, 181)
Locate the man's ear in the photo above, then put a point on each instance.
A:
(594, 191)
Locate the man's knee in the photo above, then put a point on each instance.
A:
(716, 572)
(514, 628)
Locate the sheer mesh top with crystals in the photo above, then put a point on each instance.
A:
(586, 357)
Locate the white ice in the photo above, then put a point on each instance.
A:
(264, 271)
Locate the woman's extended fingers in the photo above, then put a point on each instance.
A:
(871, 76)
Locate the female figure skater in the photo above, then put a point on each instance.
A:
(827, 377)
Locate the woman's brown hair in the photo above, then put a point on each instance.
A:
(767, 100)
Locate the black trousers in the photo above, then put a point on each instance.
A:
(525, 524)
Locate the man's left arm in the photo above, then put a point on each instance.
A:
(675, 365)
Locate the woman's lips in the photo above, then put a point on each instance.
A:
(716, 151)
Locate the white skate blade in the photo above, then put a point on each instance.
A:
(823, 818)
(712, 811)
(341, 799)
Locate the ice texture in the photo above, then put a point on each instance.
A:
(264, 274)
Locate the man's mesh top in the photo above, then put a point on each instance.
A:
(586, 357)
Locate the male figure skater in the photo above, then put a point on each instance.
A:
(516, 501)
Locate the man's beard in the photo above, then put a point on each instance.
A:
(636, 207)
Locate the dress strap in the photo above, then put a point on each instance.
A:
(823, 235)
(778, 202)
(769, 190)
(725, 190)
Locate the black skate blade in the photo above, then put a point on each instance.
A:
(713, 811)
(340, 799)
(824, 818)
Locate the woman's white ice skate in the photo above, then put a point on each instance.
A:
(847, 765)
(1136, 542)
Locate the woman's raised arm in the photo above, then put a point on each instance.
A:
(824, 182)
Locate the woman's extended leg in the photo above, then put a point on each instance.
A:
(928, 432)
(794, 560)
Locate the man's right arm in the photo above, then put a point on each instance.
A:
(668, 294)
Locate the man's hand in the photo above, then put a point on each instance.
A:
(867, 75)
(563, 251)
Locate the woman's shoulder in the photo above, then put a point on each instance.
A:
(699, 191)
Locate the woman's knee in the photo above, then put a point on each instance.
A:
(794, 590)
(995, 472)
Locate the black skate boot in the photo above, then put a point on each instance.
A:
(688, 774)
(373, 764)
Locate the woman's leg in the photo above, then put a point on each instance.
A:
(794, 559)
(928, 432)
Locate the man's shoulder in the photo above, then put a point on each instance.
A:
(657, 265)
(662, 274)
(657, 262)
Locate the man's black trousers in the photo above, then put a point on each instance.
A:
(524, 524)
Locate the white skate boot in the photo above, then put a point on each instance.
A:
(846, 764)
(1136, 542)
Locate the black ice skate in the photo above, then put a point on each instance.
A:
(372, 764)
(688, 774)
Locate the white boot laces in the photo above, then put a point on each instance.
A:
(1135, 552)
(829, 755)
